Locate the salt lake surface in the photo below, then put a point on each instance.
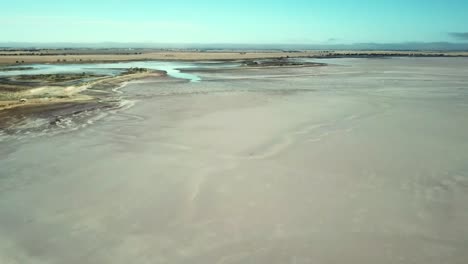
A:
(361, 161)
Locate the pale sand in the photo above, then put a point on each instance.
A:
(197, 56)
(357, 164)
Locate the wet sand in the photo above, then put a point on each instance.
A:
(361, 161)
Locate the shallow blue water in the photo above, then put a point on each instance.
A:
(172, 68)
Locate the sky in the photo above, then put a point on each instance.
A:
(236, 21)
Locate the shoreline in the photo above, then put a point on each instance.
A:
(68, 99)
(73, 93)
(44, 97)
(27, 95)
(54, 100)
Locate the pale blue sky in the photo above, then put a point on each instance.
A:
(240, 21)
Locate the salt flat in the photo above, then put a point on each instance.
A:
(361, 161)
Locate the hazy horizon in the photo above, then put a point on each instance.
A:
(435, 46)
